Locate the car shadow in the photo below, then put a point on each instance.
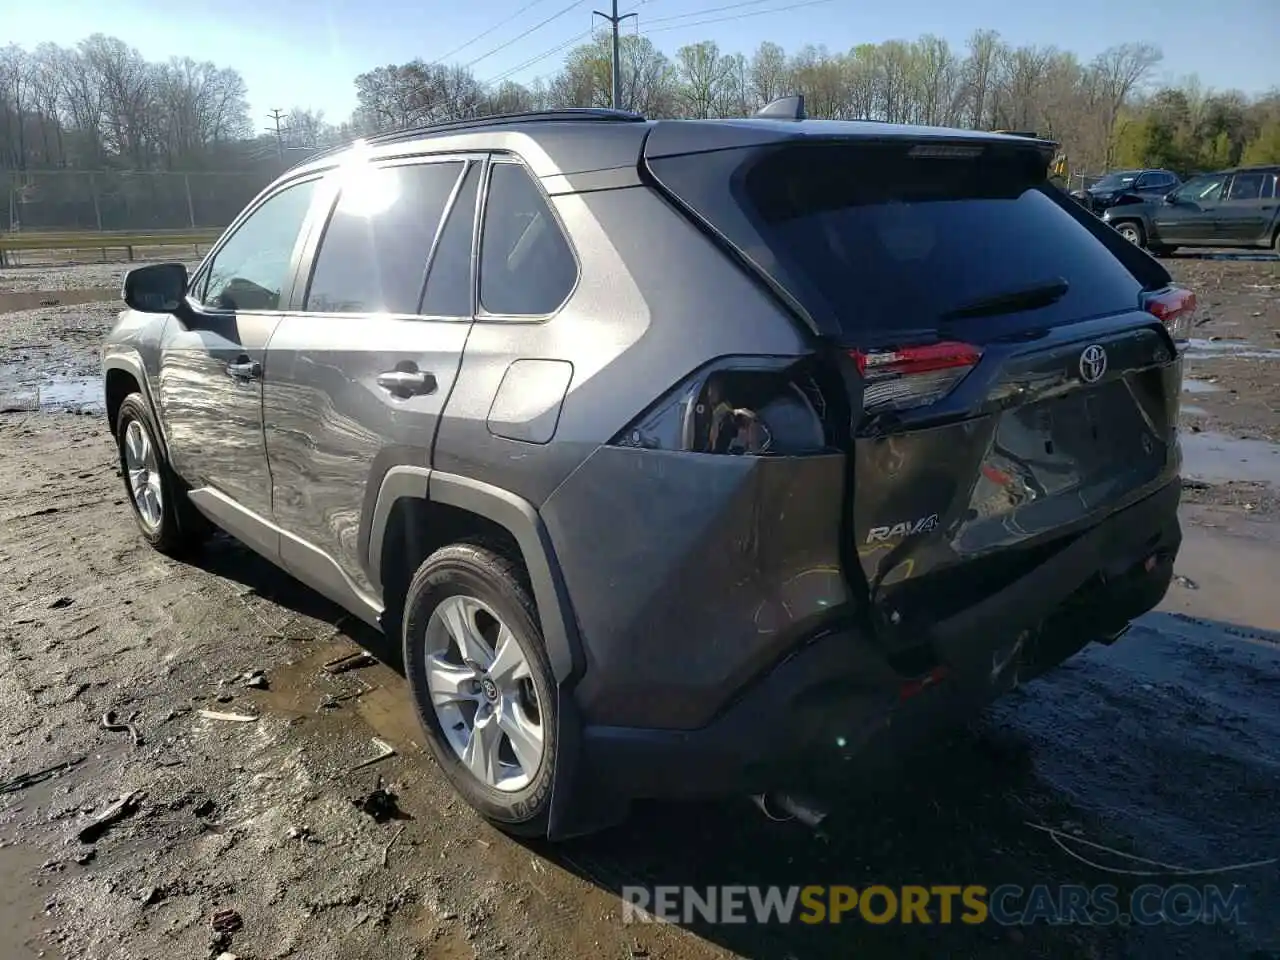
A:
(225, 557)
(1164, 746)
(1242, 256)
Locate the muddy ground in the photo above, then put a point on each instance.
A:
(1133, 763)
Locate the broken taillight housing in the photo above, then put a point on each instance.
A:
(757, 406)
(1175, 307)
(907, 377)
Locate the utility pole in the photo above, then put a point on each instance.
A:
(614, 20)
(277, 116)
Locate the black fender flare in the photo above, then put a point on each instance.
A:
(570, 814)
(132, 364)
(519, 518)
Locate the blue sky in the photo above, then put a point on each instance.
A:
(306, 52)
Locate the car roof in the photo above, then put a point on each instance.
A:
(576, 140)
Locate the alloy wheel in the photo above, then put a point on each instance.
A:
(1129, 232)
(483, 694)
(143, 469)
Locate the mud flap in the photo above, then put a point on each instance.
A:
(578, 807)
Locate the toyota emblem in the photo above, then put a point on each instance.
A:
(1093, 363)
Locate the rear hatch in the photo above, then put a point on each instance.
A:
(1013, 370)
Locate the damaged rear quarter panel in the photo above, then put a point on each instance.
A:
(691, 573)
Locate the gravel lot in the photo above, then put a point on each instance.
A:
(1164, 747)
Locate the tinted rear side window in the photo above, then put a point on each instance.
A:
(373, 256)
(526, 266)
(881, 242)
(1246, 186)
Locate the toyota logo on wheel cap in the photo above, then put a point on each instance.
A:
(1093, 363)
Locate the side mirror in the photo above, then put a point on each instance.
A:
(158, 288)
(1171, 196)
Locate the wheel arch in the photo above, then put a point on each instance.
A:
(513, 520)
(124, 374)
(572, 812)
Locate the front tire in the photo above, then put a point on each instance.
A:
(156, 495)
(1132, 231)
(481, 683)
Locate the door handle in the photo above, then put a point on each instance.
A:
(244, 369)
(407, 383)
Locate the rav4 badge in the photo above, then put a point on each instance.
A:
(905, 528)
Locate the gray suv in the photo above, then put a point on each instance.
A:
(684, 458)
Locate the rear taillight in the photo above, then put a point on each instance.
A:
(913, 376)
(1175, 307)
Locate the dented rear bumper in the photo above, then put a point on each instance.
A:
(837, 697)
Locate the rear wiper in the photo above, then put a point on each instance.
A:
(1024, 298)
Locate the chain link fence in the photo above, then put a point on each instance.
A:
(118, 200)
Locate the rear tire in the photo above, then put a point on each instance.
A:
(486, 704)
(1132, 231)
(156, 495)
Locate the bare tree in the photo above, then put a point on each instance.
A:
(861, 80)
(939, 80)
(981, 76)
(769, 77)
(1117, 72)
(1023, 87)
(16, 76)
(702, 72)
(896, 82)
(822, 79)
(126, 88)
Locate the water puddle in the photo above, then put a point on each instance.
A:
(1217, 458)
(1192, 385)
(14, 300)
(56, 395)
(1200, 349)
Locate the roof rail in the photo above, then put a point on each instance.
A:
(491, 120)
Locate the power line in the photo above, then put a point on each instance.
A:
(512, 71)
(741, 16)
(497, 26)
(539, 58)
(676, 22)
(703, 13)
(537, 26)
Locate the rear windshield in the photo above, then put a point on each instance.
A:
(882, 242)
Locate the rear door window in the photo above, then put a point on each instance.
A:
(886, 239)
(373, 256)
(449, 282)
(1245, 186)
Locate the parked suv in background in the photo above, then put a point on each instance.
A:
(1230, 208)
(684, 458)
(1123, 184)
